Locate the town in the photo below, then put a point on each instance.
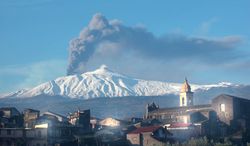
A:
(224, 120)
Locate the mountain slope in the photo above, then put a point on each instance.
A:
(106, 83)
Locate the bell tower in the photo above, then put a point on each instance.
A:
(186, 95)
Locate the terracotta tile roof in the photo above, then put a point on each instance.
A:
(145, 129)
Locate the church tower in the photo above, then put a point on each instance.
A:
(186, 95)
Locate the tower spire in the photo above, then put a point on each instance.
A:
(185, 87)
(186, 95)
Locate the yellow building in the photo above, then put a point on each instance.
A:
(186, 95)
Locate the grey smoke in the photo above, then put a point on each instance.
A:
(112, 39)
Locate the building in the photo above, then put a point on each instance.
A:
(18, 137)
(231, 109)
(150, 108)
(57, 116)
(49, 129)
(94, 122)
(112, 132)
(187, 112)
(53, 134)
(10, 117)
(149, 136)
(186, 95)
(81, 118)
(183, 131)
(225, 115)
(42, 135)
(111, 122)
(182, 114)
(30, 117)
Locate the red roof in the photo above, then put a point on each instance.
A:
(145, 129)
(177, 125)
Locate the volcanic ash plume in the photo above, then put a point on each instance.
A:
(112, 39)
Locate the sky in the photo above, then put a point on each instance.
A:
(205, 41)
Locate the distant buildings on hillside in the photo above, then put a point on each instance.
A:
(226, 117)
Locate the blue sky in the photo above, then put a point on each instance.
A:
(35, 36)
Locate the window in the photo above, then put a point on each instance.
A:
(8, 132)
(39, 134)
(190, 101)
(222, 107)
(183, 101)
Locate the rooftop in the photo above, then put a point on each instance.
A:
(145, 129)
(164, 110)
(180, 125)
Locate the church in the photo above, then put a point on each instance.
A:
(227, 111)
(181, 114)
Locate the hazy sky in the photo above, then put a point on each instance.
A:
(35, 37)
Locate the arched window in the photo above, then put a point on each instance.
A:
(183, 101)
(222, 107)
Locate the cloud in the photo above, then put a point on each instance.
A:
(17, 77)
(111, 41)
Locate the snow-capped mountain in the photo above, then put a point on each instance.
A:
(106, 83)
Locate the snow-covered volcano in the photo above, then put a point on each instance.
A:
(105, 83)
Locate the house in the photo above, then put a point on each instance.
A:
(183, 131)
(59, 117)
(109, 134)
(81, 118)
(112, 132)
(94, 122)
(54, 134)
(50, 129)
(53, 129)
(234, 114)
(149, 136)
(30, 117)
(16, 136)
(232, 110)
(10, 117)
(39, 136)
(9, 112)
(135, 120)
(111, 122)
(150, 122)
